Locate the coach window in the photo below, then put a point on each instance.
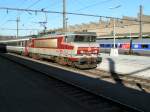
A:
(101, 45)
(144, 46)
(120, 45)
(135, 46)
(108, 45)
(116, 46)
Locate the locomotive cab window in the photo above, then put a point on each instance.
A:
(84, 38)
(69, 38)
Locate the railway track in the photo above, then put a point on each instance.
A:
(134, 82)
(127, 80)
(85, 98)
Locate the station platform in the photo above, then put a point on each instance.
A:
(114, 91)
(138, 66)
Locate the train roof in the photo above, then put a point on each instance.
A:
(48, 36)
(55, 35)
(69, 33)
(146, 40)
(80, 33)
(14, 40)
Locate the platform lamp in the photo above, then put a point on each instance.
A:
(114, 50)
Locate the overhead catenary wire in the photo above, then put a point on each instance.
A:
(33, 4)
(69, 13)
(36, 2)
(91, 5)
(3, 18)
(16, 29)
(22, 3)
(20, 14)
(52, 4)
(3, 23)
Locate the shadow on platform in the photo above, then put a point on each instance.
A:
(116, 77)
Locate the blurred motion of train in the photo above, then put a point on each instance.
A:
(126, 46)
(74, 49)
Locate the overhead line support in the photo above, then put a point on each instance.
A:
(80, 14)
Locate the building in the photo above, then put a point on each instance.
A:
(125, 27)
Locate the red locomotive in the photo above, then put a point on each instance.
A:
(75, 49)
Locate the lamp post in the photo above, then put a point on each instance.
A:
(114, 33)
(114, 50)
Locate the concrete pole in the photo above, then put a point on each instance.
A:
(141, 13)
(66, 24)
(114, 50)
(64, 15)
(114, 33)
(130, 50)
(17, 20)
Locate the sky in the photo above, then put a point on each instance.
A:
(31, 21)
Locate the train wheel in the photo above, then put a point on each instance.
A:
(35, 56)
(73, 65)
(69, 62)
(23, 53)
(59, 60)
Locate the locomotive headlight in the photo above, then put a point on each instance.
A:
(95, 51)
(81, 52)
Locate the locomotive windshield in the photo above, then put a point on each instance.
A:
(84, 38)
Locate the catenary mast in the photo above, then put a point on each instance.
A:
(64, 15)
